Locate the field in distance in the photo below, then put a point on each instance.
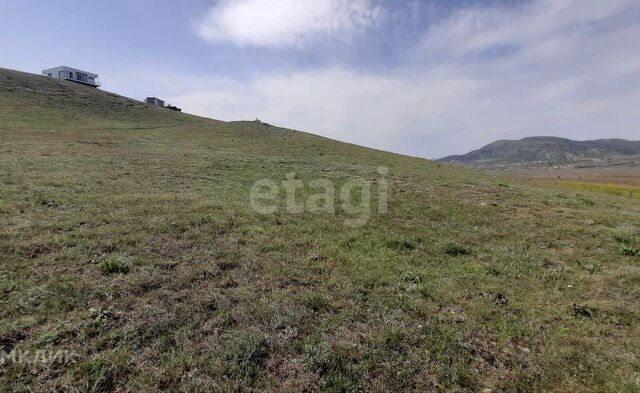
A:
(616, 180)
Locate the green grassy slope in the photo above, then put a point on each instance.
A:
(127, 237)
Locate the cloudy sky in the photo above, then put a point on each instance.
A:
(422, 77)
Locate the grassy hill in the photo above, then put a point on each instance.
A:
(128, 239)
(550, 151)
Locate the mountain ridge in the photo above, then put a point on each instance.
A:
(548, 151)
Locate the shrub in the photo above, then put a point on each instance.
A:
(113, 264)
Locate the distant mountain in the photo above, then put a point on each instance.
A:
(546, 151)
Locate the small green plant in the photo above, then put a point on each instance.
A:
(112, 264)
(631, 252)
(455, 249)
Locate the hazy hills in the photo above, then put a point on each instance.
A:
(550, 151)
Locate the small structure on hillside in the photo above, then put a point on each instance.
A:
(154, 101)
(158, 102)
(73, 75)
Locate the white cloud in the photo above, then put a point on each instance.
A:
(284, 23)
(480, 28)
(572, 69)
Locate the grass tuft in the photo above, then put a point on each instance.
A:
(103, 375)
(401, 245)
(113, 264)
(625, 234)
(455, 249)
(245, 355)
(316, 303)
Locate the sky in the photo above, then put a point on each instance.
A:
(427, 78)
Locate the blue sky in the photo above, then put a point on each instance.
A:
(426, 78)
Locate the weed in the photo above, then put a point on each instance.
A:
(500, 298)
(100, 314)
(112, 264)
(583, 311)
(630, 251)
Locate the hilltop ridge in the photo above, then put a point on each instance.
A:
(56, 101)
